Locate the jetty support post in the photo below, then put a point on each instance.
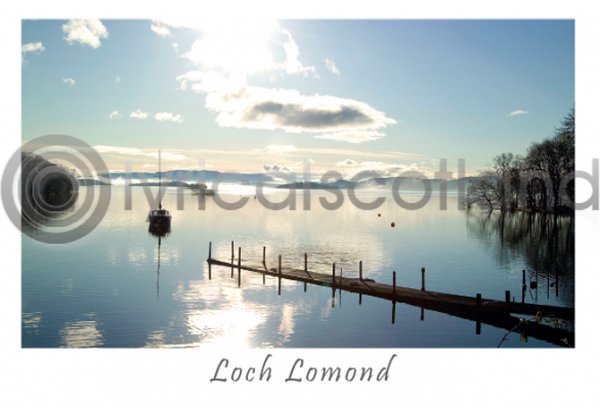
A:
(209, 259)
(232, 258)
(333, 277)
(423, 279)
(394, 283)
(264, 255)
(393, 312)
(305, 267)
(239, 266)
(507, 296)
(360, 274)
(279, 277)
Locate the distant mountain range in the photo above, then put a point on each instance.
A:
(194, 176)
(187, 178)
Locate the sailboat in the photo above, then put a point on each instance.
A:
(159, 219)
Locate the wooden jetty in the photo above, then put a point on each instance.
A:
(481, 310)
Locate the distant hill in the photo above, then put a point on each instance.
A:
(339, 184)
(194, 176)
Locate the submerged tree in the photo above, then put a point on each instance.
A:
(541, 181)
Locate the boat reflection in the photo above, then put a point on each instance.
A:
(159, 230)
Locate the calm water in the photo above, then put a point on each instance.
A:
(105, 290)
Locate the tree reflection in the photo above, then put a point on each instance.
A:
(544, 242)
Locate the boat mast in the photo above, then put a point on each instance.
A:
(159, 184)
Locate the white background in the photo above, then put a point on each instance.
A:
(131, 377)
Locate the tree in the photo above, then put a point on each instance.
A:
(484, 192)
(555, 158)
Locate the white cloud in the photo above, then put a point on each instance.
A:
(383, 168)
(115, 115)
(280, 149)
(347, 163)
(160, 29)
(166, 116)
(117, 79)
(230, 53)
(236, 49)
(69, 81)
(85, 32)
(109, 149)
(139, 114)
(331, 66)
(276, 168)
(288, 110)
(33, 47)
(517, 113)
(353, 137)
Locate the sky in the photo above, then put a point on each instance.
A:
(260, 96)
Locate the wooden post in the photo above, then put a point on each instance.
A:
(232, 258)
(478, 299)
(360, 276)
(279, 278)
(393, 311)
(264, 255)
(423, 279)
(239, 266)
(209, 258)
(305, 267)
(394, 282)
(507, 296)
(333, 277)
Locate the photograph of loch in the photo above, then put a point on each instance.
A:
(253, 183)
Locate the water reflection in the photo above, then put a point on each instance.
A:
(545, 243)
(81, 333)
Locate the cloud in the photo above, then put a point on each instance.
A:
(166, 116)
(276, 168)
(353, 137)
(347, 163)
(115, 115)
(384, 169)
(239, 48)
(160, 29)
(288, 110)
(231, 53)
(109, 149)
(331, 66)
(139, 114)
(33, 47)
(69, 81)
(85, 32)
(280, 149)
(517, 113)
